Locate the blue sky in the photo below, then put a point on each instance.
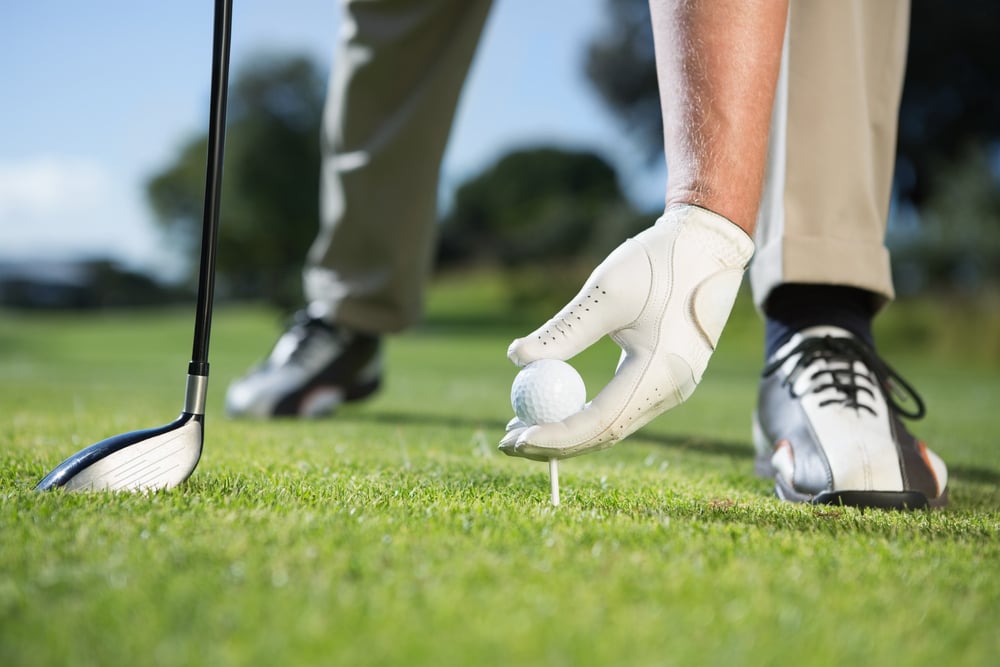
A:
(99, 95)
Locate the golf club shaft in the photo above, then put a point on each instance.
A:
(161, 458)
(213, 185)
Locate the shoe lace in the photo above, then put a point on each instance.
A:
(841, 374)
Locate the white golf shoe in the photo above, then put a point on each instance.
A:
(827, 427)
(313, 368)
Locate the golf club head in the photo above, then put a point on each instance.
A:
(146, 460)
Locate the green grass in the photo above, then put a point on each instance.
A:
(396, 534)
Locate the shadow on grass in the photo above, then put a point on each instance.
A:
(731, 449)
(683, 442)
(397, 418)
(974, 474)
(727, 448)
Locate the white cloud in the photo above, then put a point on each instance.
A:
(66, 207)
(48, 185)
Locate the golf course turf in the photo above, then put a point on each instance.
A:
(397, 534)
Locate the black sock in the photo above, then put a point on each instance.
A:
(793, 306)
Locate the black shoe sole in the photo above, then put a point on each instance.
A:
(881, 500)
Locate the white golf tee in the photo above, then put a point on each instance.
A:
(554, 480)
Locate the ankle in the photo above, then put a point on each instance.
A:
(793, 307)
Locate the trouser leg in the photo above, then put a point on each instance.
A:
(397, 74)
(832, 148)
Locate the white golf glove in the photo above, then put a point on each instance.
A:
(664, 297)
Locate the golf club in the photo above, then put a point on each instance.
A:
(163, 457)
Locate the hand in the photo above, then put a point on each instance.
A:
(664, 297)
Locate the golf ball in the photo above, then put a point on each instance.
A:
(547, 390)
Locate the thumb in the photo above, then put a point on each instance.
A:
(613, 296)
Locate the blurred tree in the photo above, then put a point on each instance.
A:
(270, 195)
(535, 203)
(546, 216)
(937, 254)
(83, 284)
(951, 98)
(620, 63)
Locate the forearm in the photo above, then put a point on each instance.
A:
(717, 63)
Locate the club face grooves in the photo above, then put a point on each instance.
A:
(150, 459)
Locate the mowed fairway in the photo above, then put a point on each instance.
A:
(396, 533)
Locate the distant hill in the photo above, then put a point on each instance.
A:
(80, 285)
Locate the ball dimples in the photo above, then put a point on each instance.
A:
(547, 390)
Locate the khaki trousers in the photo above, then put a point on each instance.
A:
(832, 147)
(398, 71)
